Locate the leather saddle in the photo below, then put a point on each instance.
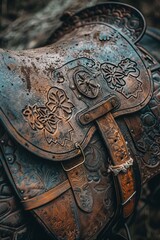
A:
(64, 148)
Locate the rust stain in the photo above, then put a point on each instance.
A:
(11, 67)
(26, 72)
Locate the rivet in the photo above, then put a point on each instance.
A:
(79, 96)
(9, 159)
(113, 102)
(2, 141)
(72, 87)
(86, 117)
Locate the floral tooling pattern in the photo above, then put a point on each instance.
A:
(123, 77)
(51, 117)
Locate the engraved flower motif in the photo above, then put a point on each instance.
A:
(47, 119)
(58, 103)
(52, 117)
(113, 75)
(31, 115)
(40, 118)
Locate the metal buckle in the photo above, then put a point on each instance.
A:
(78, 146)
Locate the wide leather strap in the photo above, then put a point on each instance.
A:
(40, 200)
(121, 161)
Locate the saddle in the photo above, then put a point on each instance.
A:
(79, 119)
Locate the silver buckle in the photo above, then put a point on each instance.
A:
(78, 146)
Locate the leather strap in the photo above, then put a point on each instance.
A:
(46, 197)
(77, 177)
(121, 161)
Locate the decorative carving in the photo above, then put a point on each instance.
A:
(96, 158)
(52, 117)
(97, 170)
(86, 84)
(33, 176)
(126, 19)
(25, 168)
(61, 217)
(149, 143)
(13, 224)
(123, 78)
(81, 77)
(83, 61)
(119, 155)
(100, 180)
(81, 188)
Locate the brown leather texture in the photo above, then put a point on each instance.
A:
(34, 179)
(122, 163)
(78, 120)
(57, 83)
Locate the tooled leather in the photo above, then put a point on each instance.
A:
(13, 224)
(125, 181)
(144, 127)
(54, 89)
(98, 178)
(61, 217)
(46, 197)
(146, 136)
(103, 193)
(81, 189)
(125, 18)
(27, 168)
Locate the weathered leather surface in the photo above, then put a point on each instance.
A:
(33, 175)
(55, 84)
(14, 222)
(127, 19)
(144, 126)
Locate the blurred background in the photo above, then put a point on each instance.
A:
(29, 24)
